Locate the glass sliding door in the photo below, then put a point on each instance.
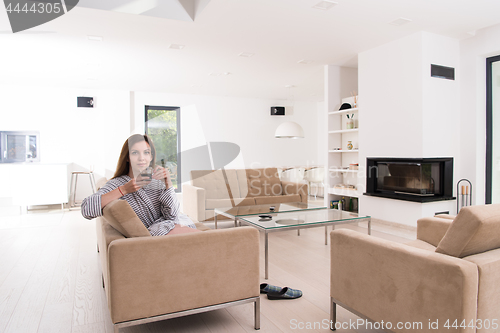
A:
(163, 126)
(493, 130)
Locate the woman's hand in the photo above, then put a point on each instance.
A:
(134, 185)
(162, 173)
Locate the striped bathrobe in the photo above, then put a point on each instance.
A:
(156, 206)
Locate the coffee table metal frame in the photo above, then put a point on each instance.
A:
(241, 220)
(288, 207)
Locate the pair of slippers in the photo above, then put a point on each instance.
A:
(274, 292)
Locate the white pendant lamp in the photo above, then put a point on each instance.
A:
(289, 130)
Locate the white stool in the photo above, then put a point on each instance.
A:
(74, 182)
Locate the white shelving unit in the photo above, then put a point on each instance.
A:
(343, 131)
(343, 170)
(340, 157)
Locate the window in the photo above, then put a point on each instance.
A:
(163, 126)
(492, 130)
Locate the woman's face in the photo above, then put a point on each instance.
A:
(140, 157)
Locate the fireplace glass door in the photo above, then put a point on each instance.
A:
(409, 178)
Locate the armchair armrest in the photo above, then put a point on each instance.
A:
(295, 188)
(165, 274)
(393, 282)
(193, 201)
(432, 229)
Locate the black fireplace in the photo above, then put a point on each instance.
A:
(411, 179)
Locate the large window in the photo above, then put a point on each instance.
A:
(163, 126)
(493, 130)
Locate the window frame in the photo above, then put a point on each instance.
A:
(489, 127)
(178, 124)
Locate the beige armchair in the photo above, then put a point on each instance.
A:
(449, 276)
(148, 279)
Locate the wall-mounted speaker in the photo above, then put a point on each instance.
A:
(277, 110)
(443, 72)
(85, 102)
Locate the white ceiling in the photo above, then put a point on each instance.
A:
(135, 54)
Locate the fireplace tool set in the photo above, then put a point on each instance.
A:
(464, 194)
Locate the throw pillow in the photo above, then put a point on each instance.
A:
(474, 230)
(122, 217)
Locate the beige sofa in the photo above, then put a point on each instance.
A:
(210, 189)
(451, 272)
(149, 278)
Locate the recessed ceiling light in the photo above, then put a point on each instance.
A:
(176, 46)
(325, 5)
(289, 86)
(95, 38)
(400, 21)
(246, 54)
(304, 62)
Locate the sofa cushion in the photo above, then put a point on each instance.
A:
(223, 203)
(179, 229)
(263, 182)
(200, 226)
(474, 230)
(122, 217)
(277, 199)
(215, 185)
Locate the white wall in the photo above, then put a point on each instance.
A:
(85, 137)
(322, 130)
(440, 99)
(406, 113)
(473, 54)
(244, 121)
(80, 137)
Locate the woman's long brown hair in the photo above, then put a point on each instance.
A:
(123, 166)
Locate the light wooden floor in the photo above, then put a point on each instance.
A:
(50, 280)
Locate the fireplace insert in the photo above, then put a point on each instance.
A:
(411, 179)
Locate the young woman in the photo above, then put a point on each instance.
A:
(152, 199)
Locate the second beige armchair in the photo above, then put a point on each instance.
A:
(445, 281)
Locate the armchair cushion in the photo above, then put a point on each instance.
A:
(474, 230)
(432, 229)
(122, 217)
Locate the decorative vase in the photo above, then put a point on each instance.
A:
(349, 145)
(350, 121)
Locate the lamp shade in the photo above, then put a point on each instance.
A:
(289, 130)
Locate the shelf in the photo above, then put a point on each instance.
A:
(344, 192)
(344, 170)
(343, 111)
(344, 131)
(344, 151)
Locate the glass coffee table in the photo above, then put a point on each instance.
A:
(235, 212)
(295, 220)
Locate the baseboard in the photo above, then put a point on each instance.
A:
(394, 225)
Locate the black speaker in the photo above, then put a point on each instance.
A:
(443, 72)
(85, 102)
(277, 110)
